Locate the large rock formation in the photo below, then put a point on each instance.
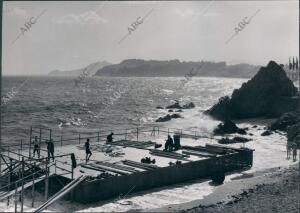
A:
(268, 94)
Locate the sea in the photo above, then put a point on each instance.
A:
(108, 103)
(104, 103)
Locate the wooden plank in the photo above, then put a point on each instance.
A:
(61, 193)
(169, 155)
(115, 166)
(140, 165)
(105, 168)
(198, 153)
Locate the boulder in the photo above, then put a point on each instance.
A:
(176, 105)
(287, 119)
(234, 140)
(168, 117)
(227, 127)
(266, 133)
(190, 105)
(270, 93)
(170, 110)
(159, 107)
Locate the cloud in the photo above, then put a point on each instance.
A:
(185, 13)
(88, 17)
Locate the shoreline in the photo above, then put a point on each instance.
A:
(276, 189)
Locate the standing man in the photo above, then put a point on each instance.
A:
(109, 138)
(36, 148)
(288, 150)
(87, 150)
(50, 149)
(294, 147)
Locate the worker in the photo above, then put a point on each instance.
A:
(50, 149)
(110, 138)
(169, 144)
(36, 147)
(288, 150)
(294, 147)
(87, 150)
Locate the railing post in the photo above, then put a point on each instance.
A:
(158, 130)
(195, 135)
(32, 192)
(16, 197)
(168, 131)
(98, 136)
(9, 178)
(30, 142)
(40, 141)
(46, 181)
(21, 144)
(137, 134)
(61, 139)
(125, 134)
(22, 191)
(79, 138)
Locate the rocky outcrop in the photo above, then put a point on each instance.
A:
(176, 105)
(228, 127)
(233, 140)
(287, 119)
(168, 117)
(268, 94)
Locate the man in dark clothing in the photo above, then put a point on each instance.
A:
(87, 150)
(169, 144)
(50, 149)
(109, 138)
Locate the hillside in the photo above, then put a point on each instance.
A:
(92, 69)
(155, 68)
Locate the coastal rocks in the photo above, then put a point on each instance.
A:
(176, 105)
(168, 117)
(228, 127)
(266, 133)
(269, 93)
(287, 119)
(233, 141)
(190, 105)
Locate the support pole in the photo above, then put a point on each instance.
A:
(61, 139)
(125, 134)
(22, 191)
(30, 142)
(98, 136)
(16, 197)
(46, 180)
(21, 144)
(137, 134)
(9, 178)
(33, 178)
(79, 138)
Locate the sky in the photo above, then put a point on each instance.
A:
(70, 35)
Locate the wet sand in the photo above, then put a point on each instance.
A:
(277, 190)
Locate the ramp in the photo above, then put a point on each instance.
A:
(61, 193)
